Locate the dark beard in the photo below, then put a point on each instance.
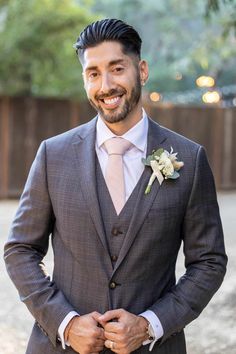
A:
(129, 104)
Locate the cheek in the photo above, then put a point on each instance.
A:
(90, 90)
(130, 81)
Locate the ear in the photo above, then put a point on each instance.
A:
(144, 71)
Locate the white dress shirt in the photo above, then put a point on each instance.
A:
(132, 164)
(133, 169)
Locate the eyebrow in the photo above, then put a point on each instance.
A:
(111, 63)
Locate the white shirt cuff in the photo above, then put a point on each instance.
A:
(156, 326)
(62, 327)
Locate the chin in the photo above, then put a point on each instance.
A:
(118, 115)
(112, 118)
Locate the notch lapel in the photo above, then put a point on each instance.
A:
(85, 159)
(144, 202)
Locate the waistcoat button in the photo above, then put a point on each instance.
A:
(112, 285)
(114, 258)
(115, 231)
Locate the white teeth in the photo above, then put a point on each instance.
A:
(111, 100)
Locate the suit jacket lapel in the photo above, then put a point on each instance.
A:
(144, 202)
(85, 159)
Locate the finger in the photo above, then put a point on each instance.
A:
(113, 327)
(111, 345)
(96, 315)
(111, 315)
(102, 336)
(98, 348)
(99, 343)
(112, 336)
(100, 333)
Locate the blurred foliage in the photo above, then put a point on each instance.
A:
(36, 39)
(181, 40)
(178, 40)
(214, 6)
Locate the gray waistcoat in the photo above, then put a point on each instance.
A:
(115, 226)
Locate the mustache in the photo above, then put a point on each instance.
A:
(112, 92)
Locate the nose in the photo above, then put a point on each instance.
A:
(106, 83)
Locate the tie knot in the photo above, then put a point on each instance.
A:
(117, 146)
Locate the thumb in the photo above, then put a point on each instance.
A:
(110, 315)
(96, 315)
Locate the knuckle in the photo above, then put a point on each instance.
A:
(123, 338)
(99, 334)
(93, 333)
(88, 344)
(119, 338)
(122, 346)
(122, 327)
(92, 341)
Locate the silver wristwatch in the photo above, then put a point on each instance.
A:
(150, 332)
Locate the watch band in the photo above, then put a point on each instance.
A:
(150, 332)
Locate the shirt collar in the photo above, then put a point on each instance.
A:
(137, 135)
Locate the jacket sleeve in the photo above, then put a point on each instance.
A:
(26, 247)
(205, 258)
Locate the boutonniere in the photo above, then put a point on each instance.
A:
(164, 165)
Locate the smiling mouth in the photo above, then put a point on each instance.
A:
(111, 102)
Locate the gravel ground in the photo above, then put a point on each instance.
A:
(214, 332)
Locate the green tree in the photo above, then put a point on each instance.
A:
(178, 41)
(36, 39)
(216, 6)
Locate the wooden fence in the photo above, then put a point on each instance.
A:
(25, 122)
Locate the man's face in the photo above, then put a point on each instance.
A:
(112, 80)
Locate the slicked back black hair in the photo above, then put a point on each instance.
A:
(109, 30)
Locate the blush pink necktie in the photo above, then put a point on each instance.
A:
(114, 174)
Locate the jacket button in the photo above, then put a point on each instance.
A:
(115, 231)
(114, 258)
(112, 285)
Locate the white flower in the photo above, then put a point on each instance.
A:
(168, 170)
(164, 165)
(164, 158)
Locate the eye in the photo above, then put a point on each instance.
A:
(92, 75)
(118, 69)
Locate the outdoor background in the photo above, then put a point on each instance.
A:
(191, 50)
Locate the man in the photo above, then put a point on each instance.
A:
(116, 241)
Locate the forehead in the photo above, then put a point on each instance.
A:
(103, 54)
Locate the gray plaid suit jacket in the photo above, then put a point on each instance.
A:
(60, 200)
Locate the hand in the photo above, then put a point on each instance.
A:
(126, 334)
(84, 335)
